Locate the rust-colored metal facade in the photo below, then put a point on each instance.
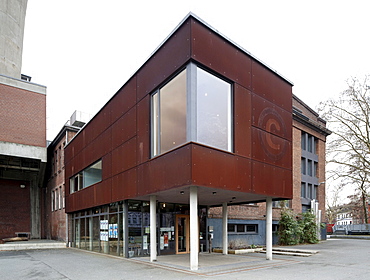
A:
(259, 167)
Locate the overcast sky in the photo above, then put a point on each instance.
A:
(85, 50)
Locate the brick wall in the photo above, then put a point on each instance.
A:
(55, 216)
(23, 116)
(244, 212)
(15, 208)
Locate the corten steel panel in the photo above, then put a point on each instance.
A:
(124, 99)
(107, 166)
(169, 58)
(167, 171)
(124, 128)
(220, 55)
(272, 181)
(102, 193)
(242, 121)
(243, 174)
(213, 168)
(77, 144)
(86, 199)
(99, 147)
(97, 125)
(143, 130)
(76, 164)
(70, 203)
(143, 181)
(122, 183)
(271, 149)
(124, 157)
(271, 118)
(270, 86)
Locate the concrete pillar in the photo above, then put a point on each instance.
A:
(91, 236)
(194, 231)
(224, 229)
(125, 229)
(35, 194)
(153, 228)
(269, 228)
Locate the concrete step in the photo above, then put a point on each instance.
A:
(292, 252)
(288, 253)
(295, 250)
(32, 245)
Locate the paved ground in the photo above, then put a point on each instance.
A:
(337, 259)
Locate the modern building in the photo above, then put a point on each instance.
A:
(247, 222)
(202, 123)
(22, 132)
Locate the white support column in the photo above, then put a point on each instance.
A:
(194, 231)
(224, 229)
(153, 228)
(269, 228)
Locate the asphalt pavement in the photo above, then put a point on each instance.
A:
(336, 259)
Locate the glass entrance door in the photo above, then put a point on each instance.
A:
(182, 234)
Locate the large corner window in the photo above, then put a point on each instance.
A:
(87, 177)
(193, 106)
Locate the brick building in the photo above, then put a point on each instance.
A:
(22, 132)
(55, 219)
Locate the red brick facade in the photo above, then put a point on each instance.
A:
(15, 208)
(55, 217)
(23, 116)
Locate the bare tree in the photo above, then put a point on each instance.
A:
(348, 148)
(333, 203)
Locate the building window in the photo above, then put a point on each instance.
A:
(303, 141)
(89, 176)
(309, 167)
(194, 106)
(169, 115)
(52, 201)
(303, 166)
(63, 197)
(310, 143)
(242, 228)
(60, 198)
(303, 189)
(280, 204)
(56, 205)
(309, 191)
(213, 111)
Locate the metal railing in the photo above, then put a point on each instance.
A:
(352, 229)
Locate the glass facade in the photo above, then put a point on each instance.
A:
(104, 229)
(193, 106)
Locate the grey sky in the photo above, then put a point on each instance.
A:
(85, 50)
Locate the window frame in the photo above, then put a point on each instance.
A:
(80, 178)
(191, 110)
(237, 226)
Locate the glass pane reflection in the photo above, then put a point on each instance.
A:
(213, 111)
(173, 113)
